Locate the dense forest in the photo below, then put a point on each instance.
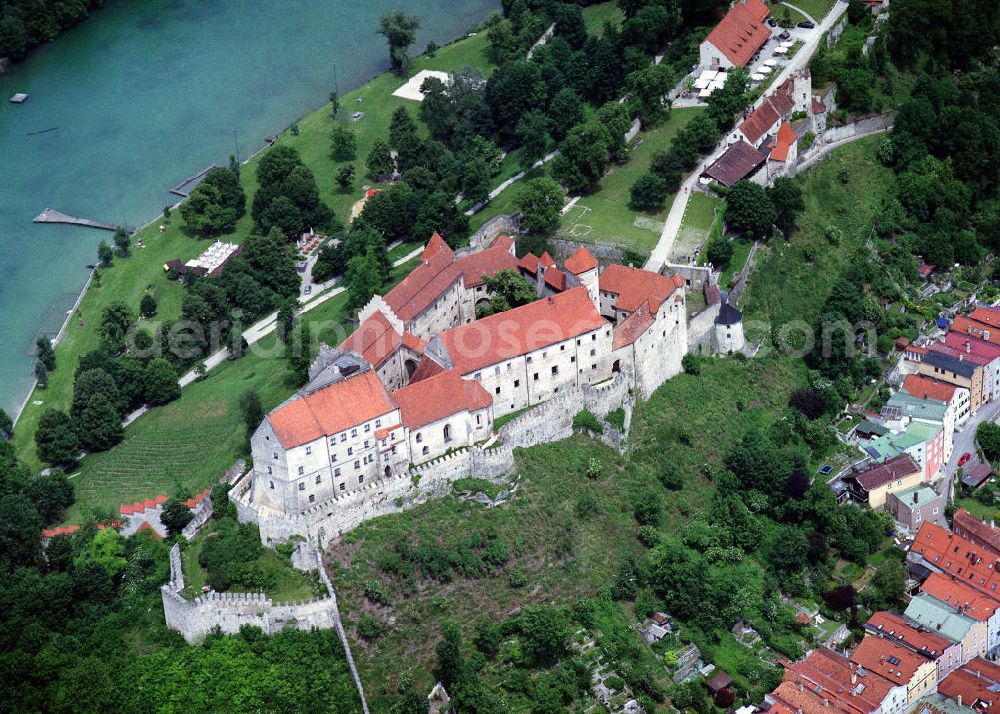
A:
(25, 24)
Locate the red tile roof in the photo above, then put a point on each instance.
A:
(198, 498)
(894, 662)
(972, 357)
(434, 246)
(917, 638)
(522, 330)
(374, 339)
(976, 683)
(439, 397)
(974, 565)
(636, 287)
(332, 409)
(580, 262)
(817, 106)
(382, 433)
(975, 530)
(987, 315)
(439, 269)
(412, 342)
(972, 345)
(964, 325)
(547, 260)
(828, 676)
(61, 530)
(760, 121)
(917, 385)
(555, 279)
(529, 262)
(969, 601)
(426, 368)
(783, 143)
(741, 32)
(632, 328)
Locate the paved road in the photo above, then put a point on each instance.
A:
(965, 441)
(661, 252)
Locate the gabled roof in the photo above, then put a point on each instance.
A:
(979, 532)
(783, 143)
(636, 287)
(977, 683)
(739, 161)
(427, 368)
(374, 339)
(331, 409)
(918, 639)
(969, 601)
(520, 331)
(924, 387)
(817, 106)
(742, 31)
(529, 262)
(439, 269)
(632, 328)
(961, 367)
(438, 397)
(971, 344)
(434, 246)
(546, 260)
(887, 472)
(835, 679)
(556, 279)
(987, 315)
(961, 354)
(893, 661)
(935, 615)
(580, 262)
(761, 119)
(982, 330)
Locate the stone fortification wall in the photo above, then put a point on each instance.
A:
(700, 328)
(606, 253)
(503, 224)
(694, 275)
(196, 618)
(862, 127)
(550, 421)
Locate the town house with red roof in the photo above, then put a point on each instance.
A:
(738, 37)
(897, 664)
(957, 399)
(946, 655)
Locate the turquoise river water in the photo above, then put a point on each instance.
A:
(144, 94)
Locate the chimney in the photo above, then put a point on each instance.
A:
(968, 347)
(959, 700)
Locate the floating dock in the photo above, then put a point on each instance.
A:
(50, 215)
(19, 98)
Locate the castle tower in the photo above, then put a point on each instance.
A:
(728, 335)
(585, 267)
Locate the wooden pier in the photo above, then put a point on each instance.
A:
(50, 215)
(184, 188)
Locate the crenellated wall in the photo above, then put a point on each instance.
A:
(196, 618)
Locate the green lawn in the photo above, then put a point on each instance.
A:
(817, 8)
(787, 16)
(696, 223)
(289, 584)
(596, 16)
(979, 510)
(605, 216)
(403, 249)
(564, 557)
(132, 276)
(741, 251)
(786, 285)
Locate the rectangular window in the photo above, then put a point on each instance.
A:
(479, 419)
(496, 370)
(368, 427)
(312, 498)
(336, 472)
(272, 485)
(269, 471)
(342, 486)
(593, 338)
(302, 486)
(309, 450)
(319, 479)
(529, 359)
(275, 454)
(302, 470)
(517, 383)
(555, 369)
(333, 457)
(478, 376)
(536, 376)
(357, 464)
(361, 478)
(593, 353)
(394, 449)
(572, 359)
(366, 443)
(378, 423)
(350, 451)
(343, 437)
(354, 432)
(498, 390)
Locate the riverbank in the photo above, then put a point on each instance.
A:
(143, 271)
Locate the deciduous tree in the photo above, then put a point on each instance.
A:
(540, 203)
(400, 31)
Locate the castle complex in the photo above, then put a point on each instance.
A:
(421, 378)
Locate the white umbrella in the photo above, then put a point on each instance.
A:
(764, 69)
(705, 93)
(788, 44)
(780, 50)
(770, 62)
(757, 77)
(701, 83)
(708, 75)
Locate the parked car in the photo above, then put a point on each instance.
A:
(807, 25)
(772, 22)
(308, 290)
(784, 35)
(964, 459)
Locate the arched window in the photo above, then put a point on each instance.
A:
(425, 451)
(419, 437)
(447, 432)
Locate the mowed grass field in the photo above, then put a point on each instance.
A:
(817, 8)
(605, 216)
(695, 224)
(565, 556)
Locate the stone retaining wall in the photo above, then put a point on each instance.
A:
(196, 618)
(701, 326)
(862, 127)
(503, 224)
(606, 253)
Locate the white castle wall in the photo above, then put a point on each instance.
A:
(550, 421)
(196, 618)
